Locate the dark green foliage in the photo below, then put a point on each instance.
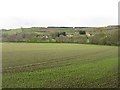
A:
(82, 32)
(62, 33)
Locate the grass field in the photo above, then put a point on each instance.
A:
(43, 65)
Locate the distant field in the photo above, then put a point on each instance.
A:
(43, 65)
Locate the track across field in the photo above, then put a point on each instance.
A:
(57, 65)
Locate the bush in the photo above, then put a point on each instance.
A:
(82, 32)
(105, 39)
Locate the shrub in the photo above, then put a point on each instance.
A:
(82, 32)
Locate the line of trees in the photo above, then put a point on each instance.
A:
(105, 39)
(101, 38)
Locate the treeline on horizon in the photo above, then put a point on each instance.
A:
(89, 35)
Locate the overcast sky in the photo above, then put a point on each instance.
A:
(36, 13)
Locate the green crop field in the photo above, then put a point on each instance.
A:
(53, 65)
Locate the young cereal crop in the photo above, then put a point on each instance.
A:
(47, 65)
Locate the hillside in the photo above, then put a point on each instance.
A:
(63, 35)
